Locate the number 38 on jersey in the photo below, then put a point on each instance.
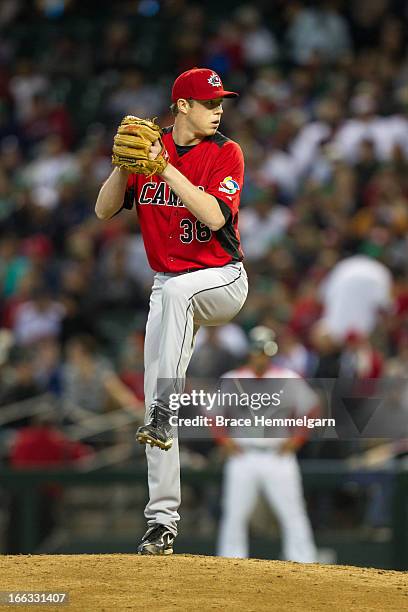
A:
(194, 230)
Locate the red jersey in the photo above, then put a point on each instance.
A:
(174, 239)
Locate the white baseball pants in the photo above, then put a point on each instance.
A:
(279, 478)
(179, 305)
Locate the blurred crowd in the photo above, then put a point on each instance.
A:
(323, 122)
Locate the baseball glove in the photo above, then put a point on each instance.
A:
(132, 145)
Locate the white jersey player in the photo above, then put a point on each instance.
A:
(267, 465)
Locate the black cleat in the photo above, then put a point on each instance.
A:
(158, 431)
(157, 540)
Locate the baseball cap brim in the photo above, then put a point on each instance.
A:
(218, 94)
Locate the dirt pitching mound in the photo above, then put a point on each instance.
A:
(187, 582)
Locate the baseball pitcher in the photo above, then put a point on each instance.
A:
(185, 182)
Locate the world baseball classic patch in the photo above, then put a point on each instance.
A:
(228, 185)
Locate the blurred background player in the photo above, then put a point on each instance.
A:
(267, 465)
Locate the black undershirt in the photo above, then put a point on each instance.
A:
(182, 150)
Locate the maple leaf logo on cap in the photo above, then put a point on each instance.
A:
(215, 80)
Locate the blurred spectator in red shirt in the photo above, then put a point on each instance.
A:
(40, 445)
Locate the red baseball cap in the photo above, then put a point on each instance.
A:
(199, 84)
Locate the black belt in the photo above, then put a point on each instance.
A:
(183, 272)
(197, 269)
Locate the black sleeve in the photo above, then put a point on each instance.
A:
(129, 199)
(225, 209)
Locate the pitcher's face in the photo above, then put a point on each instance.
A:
(204, 116)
